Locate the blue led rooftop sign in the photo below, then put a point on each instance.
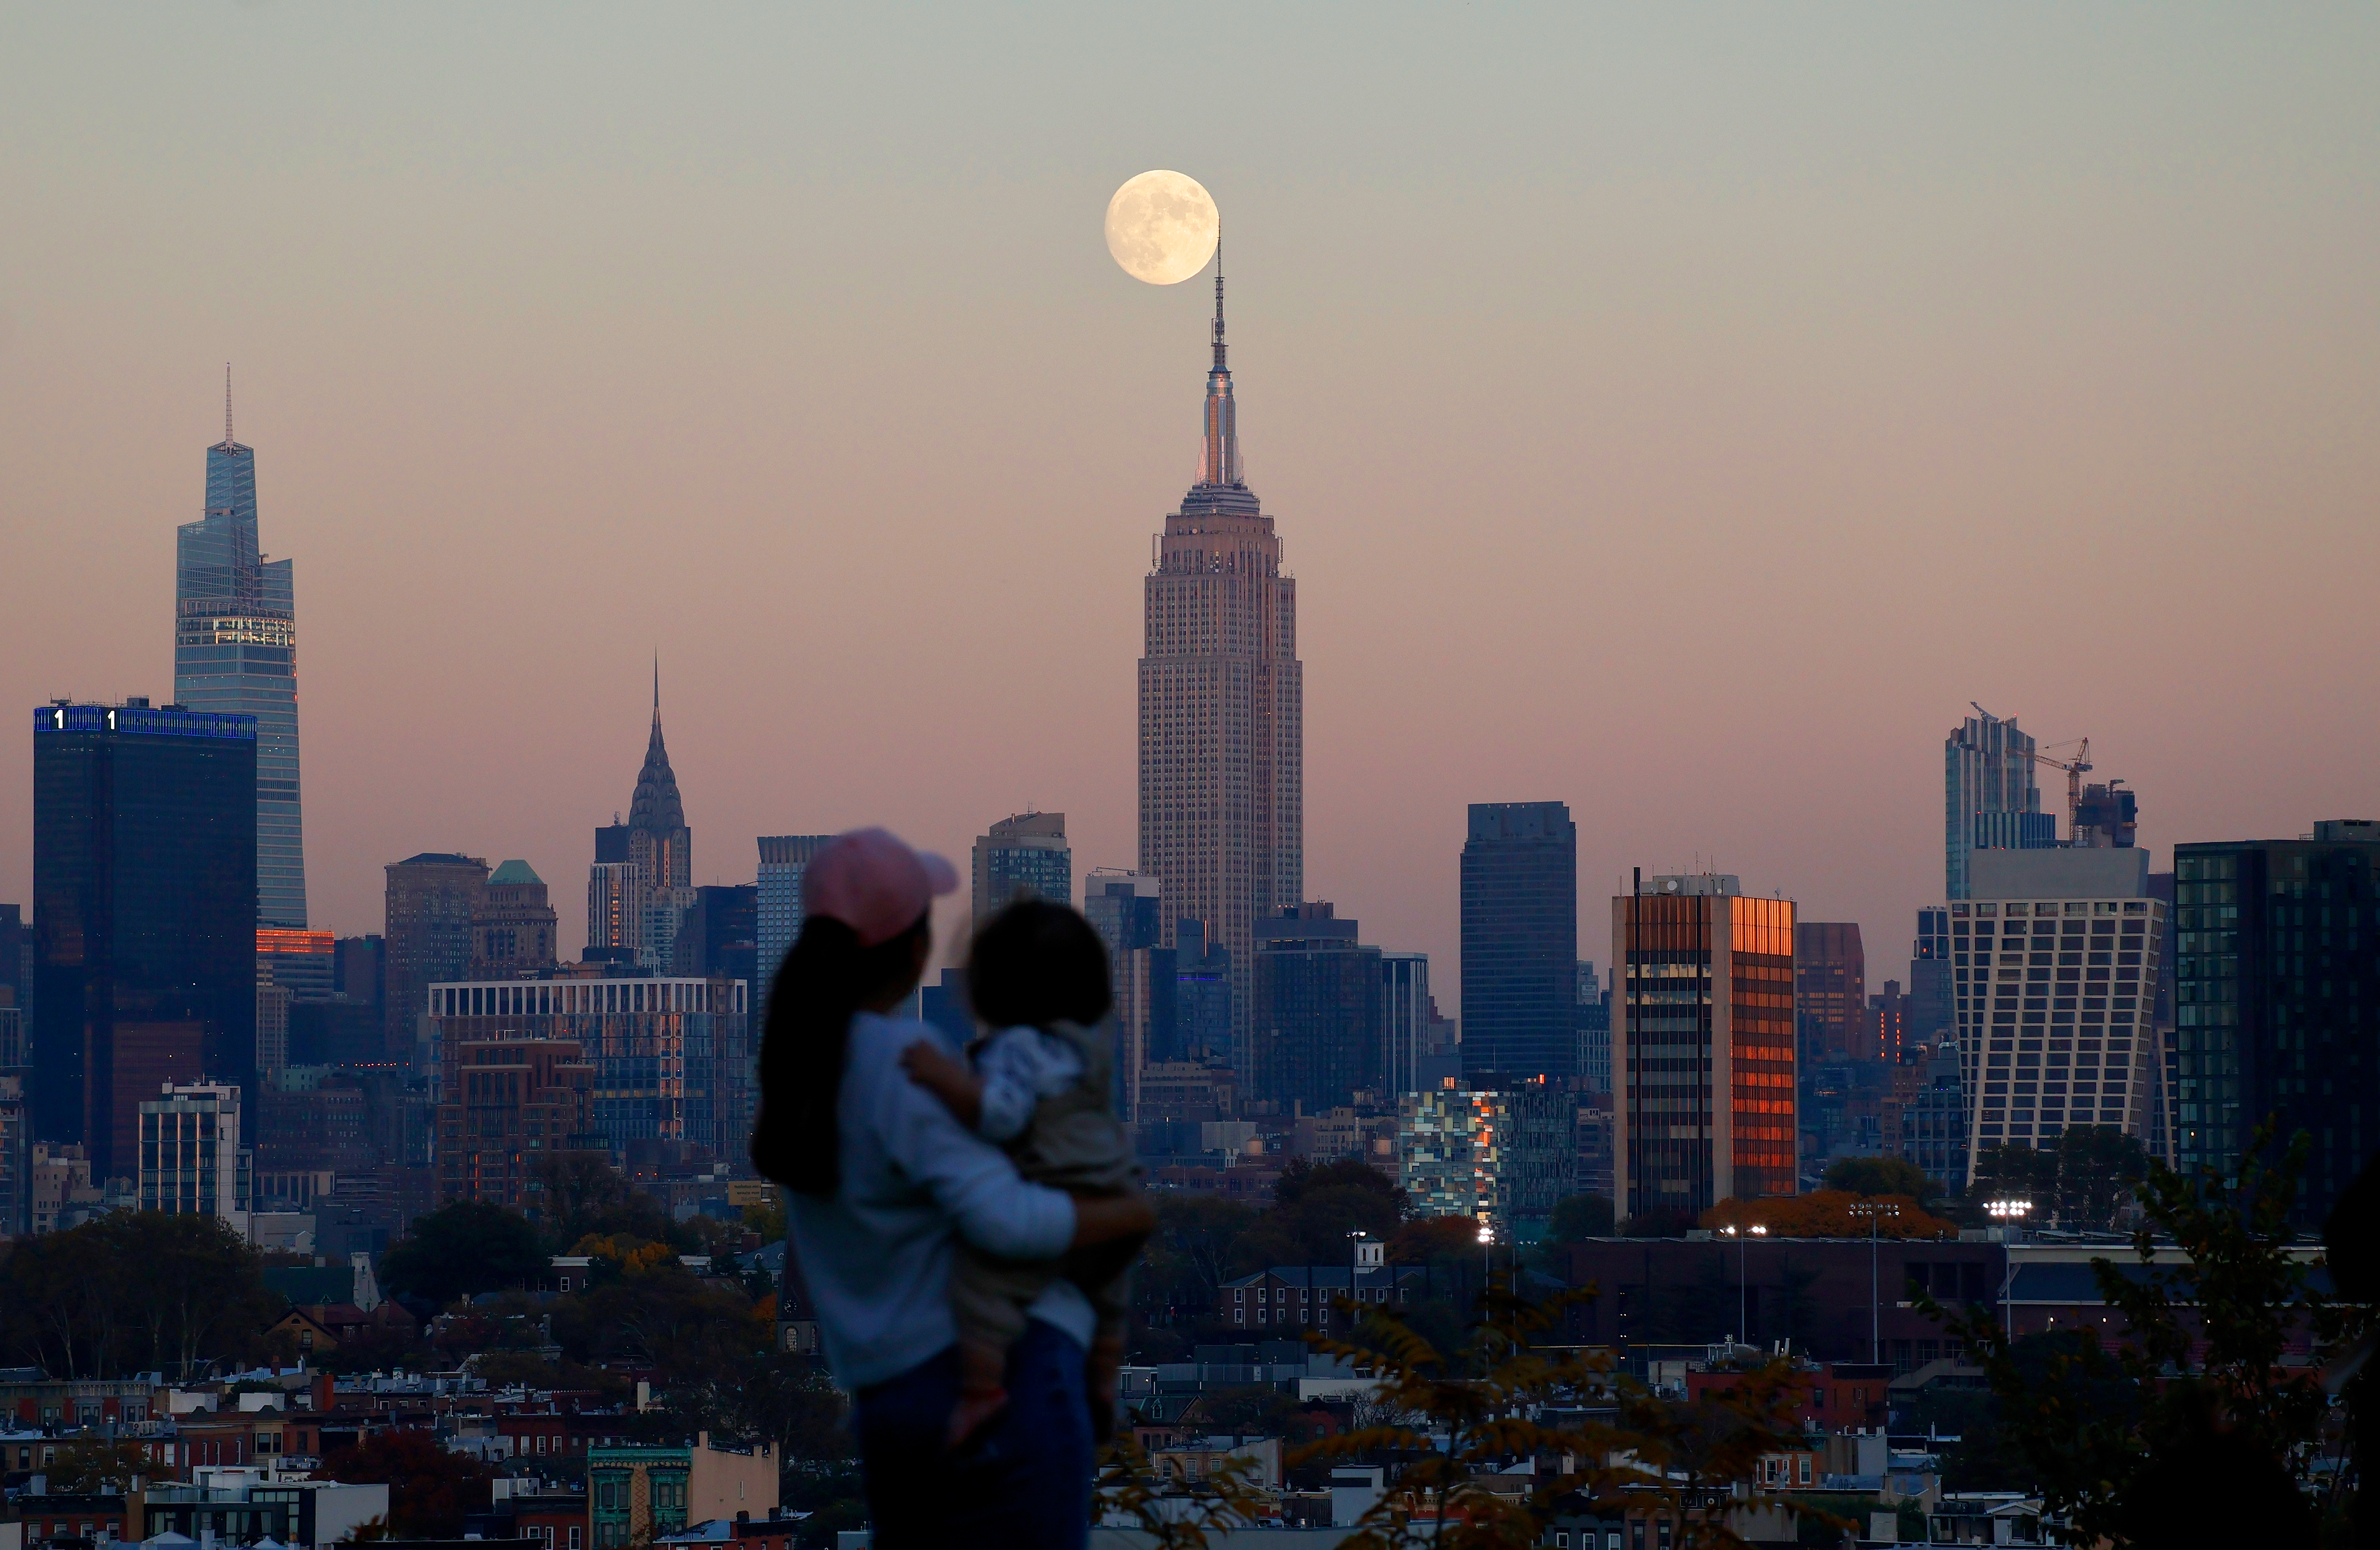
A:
(142, 721)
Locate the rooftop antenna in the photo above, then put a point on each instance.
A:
(228, 441)
(1219, 294)
(657, 683)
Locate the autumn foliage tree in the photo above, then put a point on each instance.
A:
(1461, 1414)
(1829, 1214)
(429, 1488)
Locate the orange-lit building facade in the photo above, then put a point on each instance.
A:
(1702, 1046)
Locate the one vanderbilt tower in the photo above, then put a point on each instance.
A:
(236, 650)
(1222, 767)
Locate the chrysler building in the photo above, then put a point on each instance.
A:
(1221, 707)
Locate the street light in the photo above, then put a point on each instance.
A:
(1487, 1243)
(1875, 1211)
(1354, 1271)
(2014, 1212)
(1743, 1295)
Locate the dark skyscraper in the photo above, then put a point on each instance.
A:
(1829, 987)
(1024, 856)
(432, 899)
(16, 958)
(1316, 1026)
(144, 915)
(1932, 1015)
(236, 651)
(1202, 995)
(1519, 940)
(1222, 706)
(718, 935)
(2278, 1000)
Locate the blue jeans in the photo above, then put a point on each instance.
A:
(1022, 1483)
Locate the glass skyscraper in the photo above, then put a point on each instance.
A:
(144, 917)
(2278, 1000)
(1989, 800)
(1519, 940)
(235, 652)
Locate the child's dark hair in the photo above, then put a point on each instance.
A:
(1035, 964)
(824, 979)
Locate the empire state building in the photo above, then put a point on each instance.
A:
(1222, 764)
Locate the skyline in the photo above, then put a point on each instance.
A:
(2101, 366)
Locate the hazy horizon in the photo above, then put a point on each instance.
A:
(1682, 413)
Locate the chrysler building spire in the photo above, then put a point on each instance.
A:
(1219, 459)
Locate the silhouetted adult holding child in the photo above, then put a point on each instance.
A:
(884, 1184)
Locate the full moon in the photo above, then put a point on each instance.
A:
(1163, 227)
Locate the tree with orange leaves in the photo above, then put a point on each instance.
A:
(1829, 1214)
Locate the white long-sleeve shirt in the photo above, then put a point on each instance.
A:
(877, 1256)
(1019, 1068)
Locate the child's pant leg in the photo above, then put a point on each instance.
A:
(989, 1296)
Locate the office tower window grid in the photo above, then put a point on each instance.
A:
(1829, 987)
(778, 901)
(1704, 1047)
(2054, 1004)
(1932, 1012)
(1022, 856)
(191, 1163)
(673, 1058)
(2277, 995)
(431, 900)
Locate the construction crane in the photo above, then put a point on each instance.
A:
(2075, 771)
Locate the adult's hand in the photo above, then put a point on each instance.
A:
(1111, 1218)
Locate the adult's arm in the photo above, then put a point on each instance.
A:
(1109, 1219)
(974, 1184)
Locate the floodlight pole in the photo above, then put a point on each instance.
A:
(1875, 1211)
(2008, 1211)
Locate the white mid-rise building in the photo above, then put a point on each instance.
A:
(191, 1162)
(2056, 998)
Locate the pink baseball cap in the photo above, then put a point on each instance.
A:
(872, 881)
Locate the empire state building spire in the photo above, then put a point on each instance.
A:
(1222, 697)
(1218, 460)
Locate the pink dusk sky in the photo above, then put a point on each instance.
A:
(1679, 411)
